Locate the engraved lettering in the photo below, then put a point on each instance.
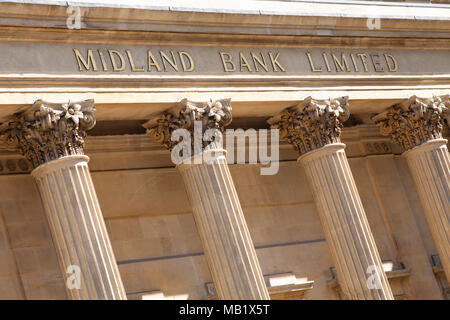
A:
(341, 64)
(102, 59)
(133, 67)
(113, 60)
(275, 62)
(261, 63)
(152, 62)
(376, 63)
(182, 55)
(313, 68)
(391, 57)
(226, 60)
(172, 62)
(244, 63)
(324, 55)
(81, 61)
(363, 57)
(354, 62)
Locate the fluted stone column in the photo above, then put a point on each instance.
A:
(313, 127)
(218, 215)
(51, 137)
(416, 125)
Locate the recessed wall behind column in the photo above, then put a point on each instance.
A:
(393, 209)
(155, 241)
(153, 233)
(157, 246)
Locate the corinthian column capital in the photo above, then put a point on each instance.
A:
(416, 124)
(48, 131)
(414, 121)
(312, 123)
(213, 114)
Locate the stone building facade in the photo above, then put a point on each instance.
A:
(351, 98)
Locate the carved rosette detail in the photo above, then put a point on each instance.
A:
(214, 114)
(415, 121)
(49, 131)
(312, 124)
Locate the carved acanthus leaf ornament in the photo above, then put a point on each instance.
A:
(214, 114)
(414, 121)
(48, 131)
(312, 124)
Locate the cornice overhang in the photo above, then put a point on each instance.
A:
(320, 18)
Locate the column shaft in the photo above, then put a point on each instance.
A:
(226, 240)
(344, 223)
(429, 164)
(78, 228)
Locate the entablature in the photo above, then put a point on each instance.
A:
(255, 17)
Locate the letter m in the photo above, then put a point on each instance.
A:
(226, 310)
(82, 61)
(240, 136)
